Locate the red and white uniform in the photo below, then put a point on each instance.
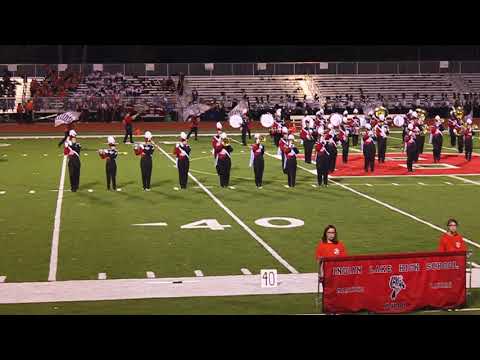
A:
(306, 134)
(468, 133)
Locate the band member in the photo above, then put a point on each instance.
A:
(343, 138)
(369, 151)
(331, 146)
(452, 240)
(354, 125)
(217, 137)
(72, 150)
(182, 151)
(452, 123)
(276, 130)
(290, 161)
(249, 126)
(381, 133)
(68, 127)
(322, 161)
(244, 129)
(256, 159)
(145, 150)
(127, 122)
(411, 149)
(281, 145)
(421, 136)
(436, 139)
(110, 156)
(223, 162)
(468, 140)
(194, 126)
(308, 140)
(459, 132)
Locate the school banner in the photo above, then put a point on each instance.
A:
(394, 283)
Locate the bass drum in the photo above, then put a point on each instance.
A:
(266, 120)
(235, 121)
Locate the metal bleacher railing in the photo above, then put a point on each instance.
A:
(297, 68)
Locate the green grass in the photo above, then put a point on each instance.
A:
(226, 305)
(96, 234)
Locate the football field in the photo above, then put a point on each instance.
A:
(207, 230)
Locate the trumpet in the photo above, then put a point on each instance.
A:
(422, 114)
(226, 141)
(263, 138)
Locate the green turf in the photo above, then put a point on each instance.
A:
(96, 234)
(228, 305)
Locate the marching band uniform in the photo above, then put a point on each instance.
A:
(381, 132)
(110, 156)
(68, 127)
(421, 137)
(468, 137)
(411, 149)
(223, 161)
(256, 159)
(459, 132)
(145, 151)
(369, 151)
(244, 129)
(217, 137)
(452, 123)
(277, 131)
(322, 162)
(290, 161)
(354, 127)
(437, 142)
(308, 142)
(72, 150)
(332, 150)
(194, 127)
(281, 145)
(182, 151)
(343, 138)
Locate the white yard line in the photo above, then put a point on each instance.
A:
(245, 271)
(123, 289)
(393, 208)
(102, 276)
(237, 219)
(475, 265)
(464, 180)
(52, 275)
(150, 275)
(2, 279)
(198, 273)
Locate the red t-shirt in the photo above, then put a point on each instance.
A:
(452, 243)
(330, 249)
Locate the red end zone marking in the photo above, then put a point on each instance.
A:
(455, 164)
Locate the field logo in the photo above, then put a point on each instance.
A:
(396, 284)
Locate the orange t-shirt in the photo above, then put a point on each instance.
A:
(452, 243)
(330, 249)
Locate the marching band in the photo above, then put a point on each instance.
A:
(321, 134)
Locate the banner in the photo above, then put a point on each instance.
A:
(396, 283)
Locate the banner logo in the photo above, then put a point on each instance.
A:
(396, 284)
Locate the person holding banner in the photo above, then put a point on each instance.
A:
(452, 240)
(329, 246)
(72, 150)
(256, 159)
(182, 151)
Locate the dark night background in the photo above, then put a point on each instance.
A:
(99, 53)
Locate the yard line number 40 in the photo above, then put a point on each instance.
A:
(213, 224)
